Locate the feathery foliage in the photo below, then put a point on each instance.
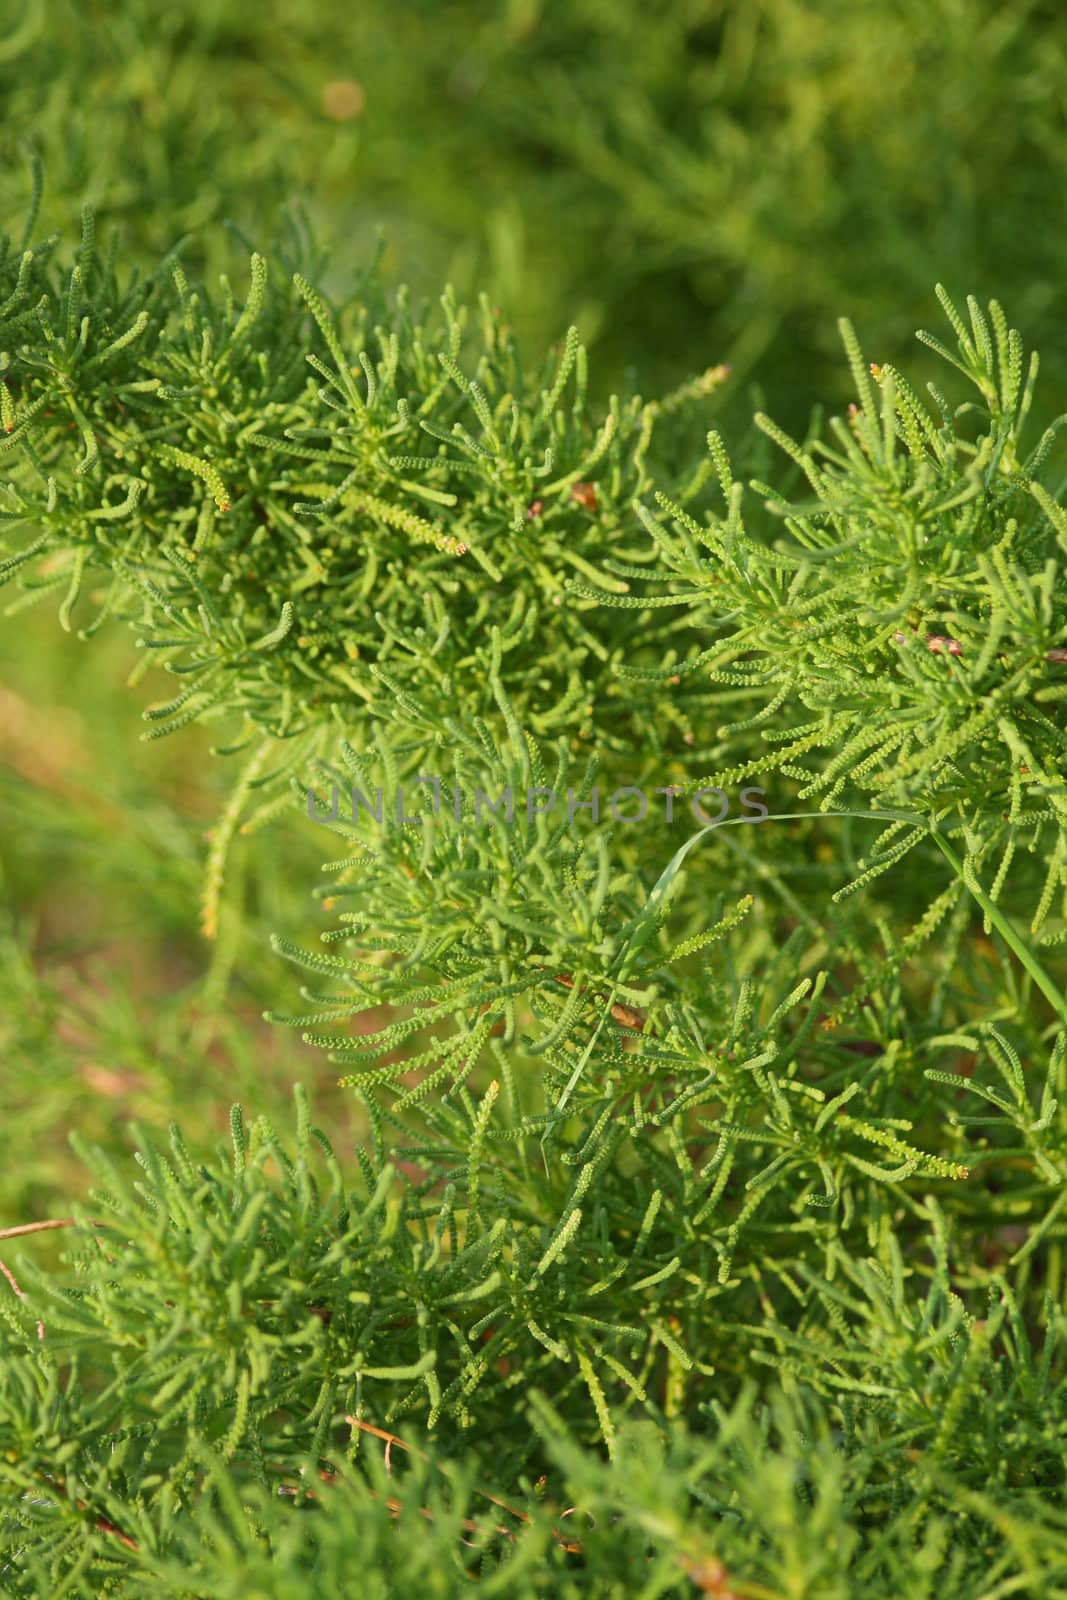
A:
(642, 1272)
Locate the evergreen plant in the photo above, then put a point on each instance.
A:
(706, 1232)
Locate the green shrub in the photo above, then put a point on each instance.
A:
(647, 1277)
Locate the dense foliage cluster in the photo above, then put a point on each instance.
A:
(703, 1239)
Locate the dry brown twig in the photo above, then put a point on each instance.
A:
(41, 1227)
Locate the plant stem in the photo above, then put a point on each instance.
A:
(997, 918)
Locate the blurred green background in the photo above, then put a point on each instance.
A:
(693, 182)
